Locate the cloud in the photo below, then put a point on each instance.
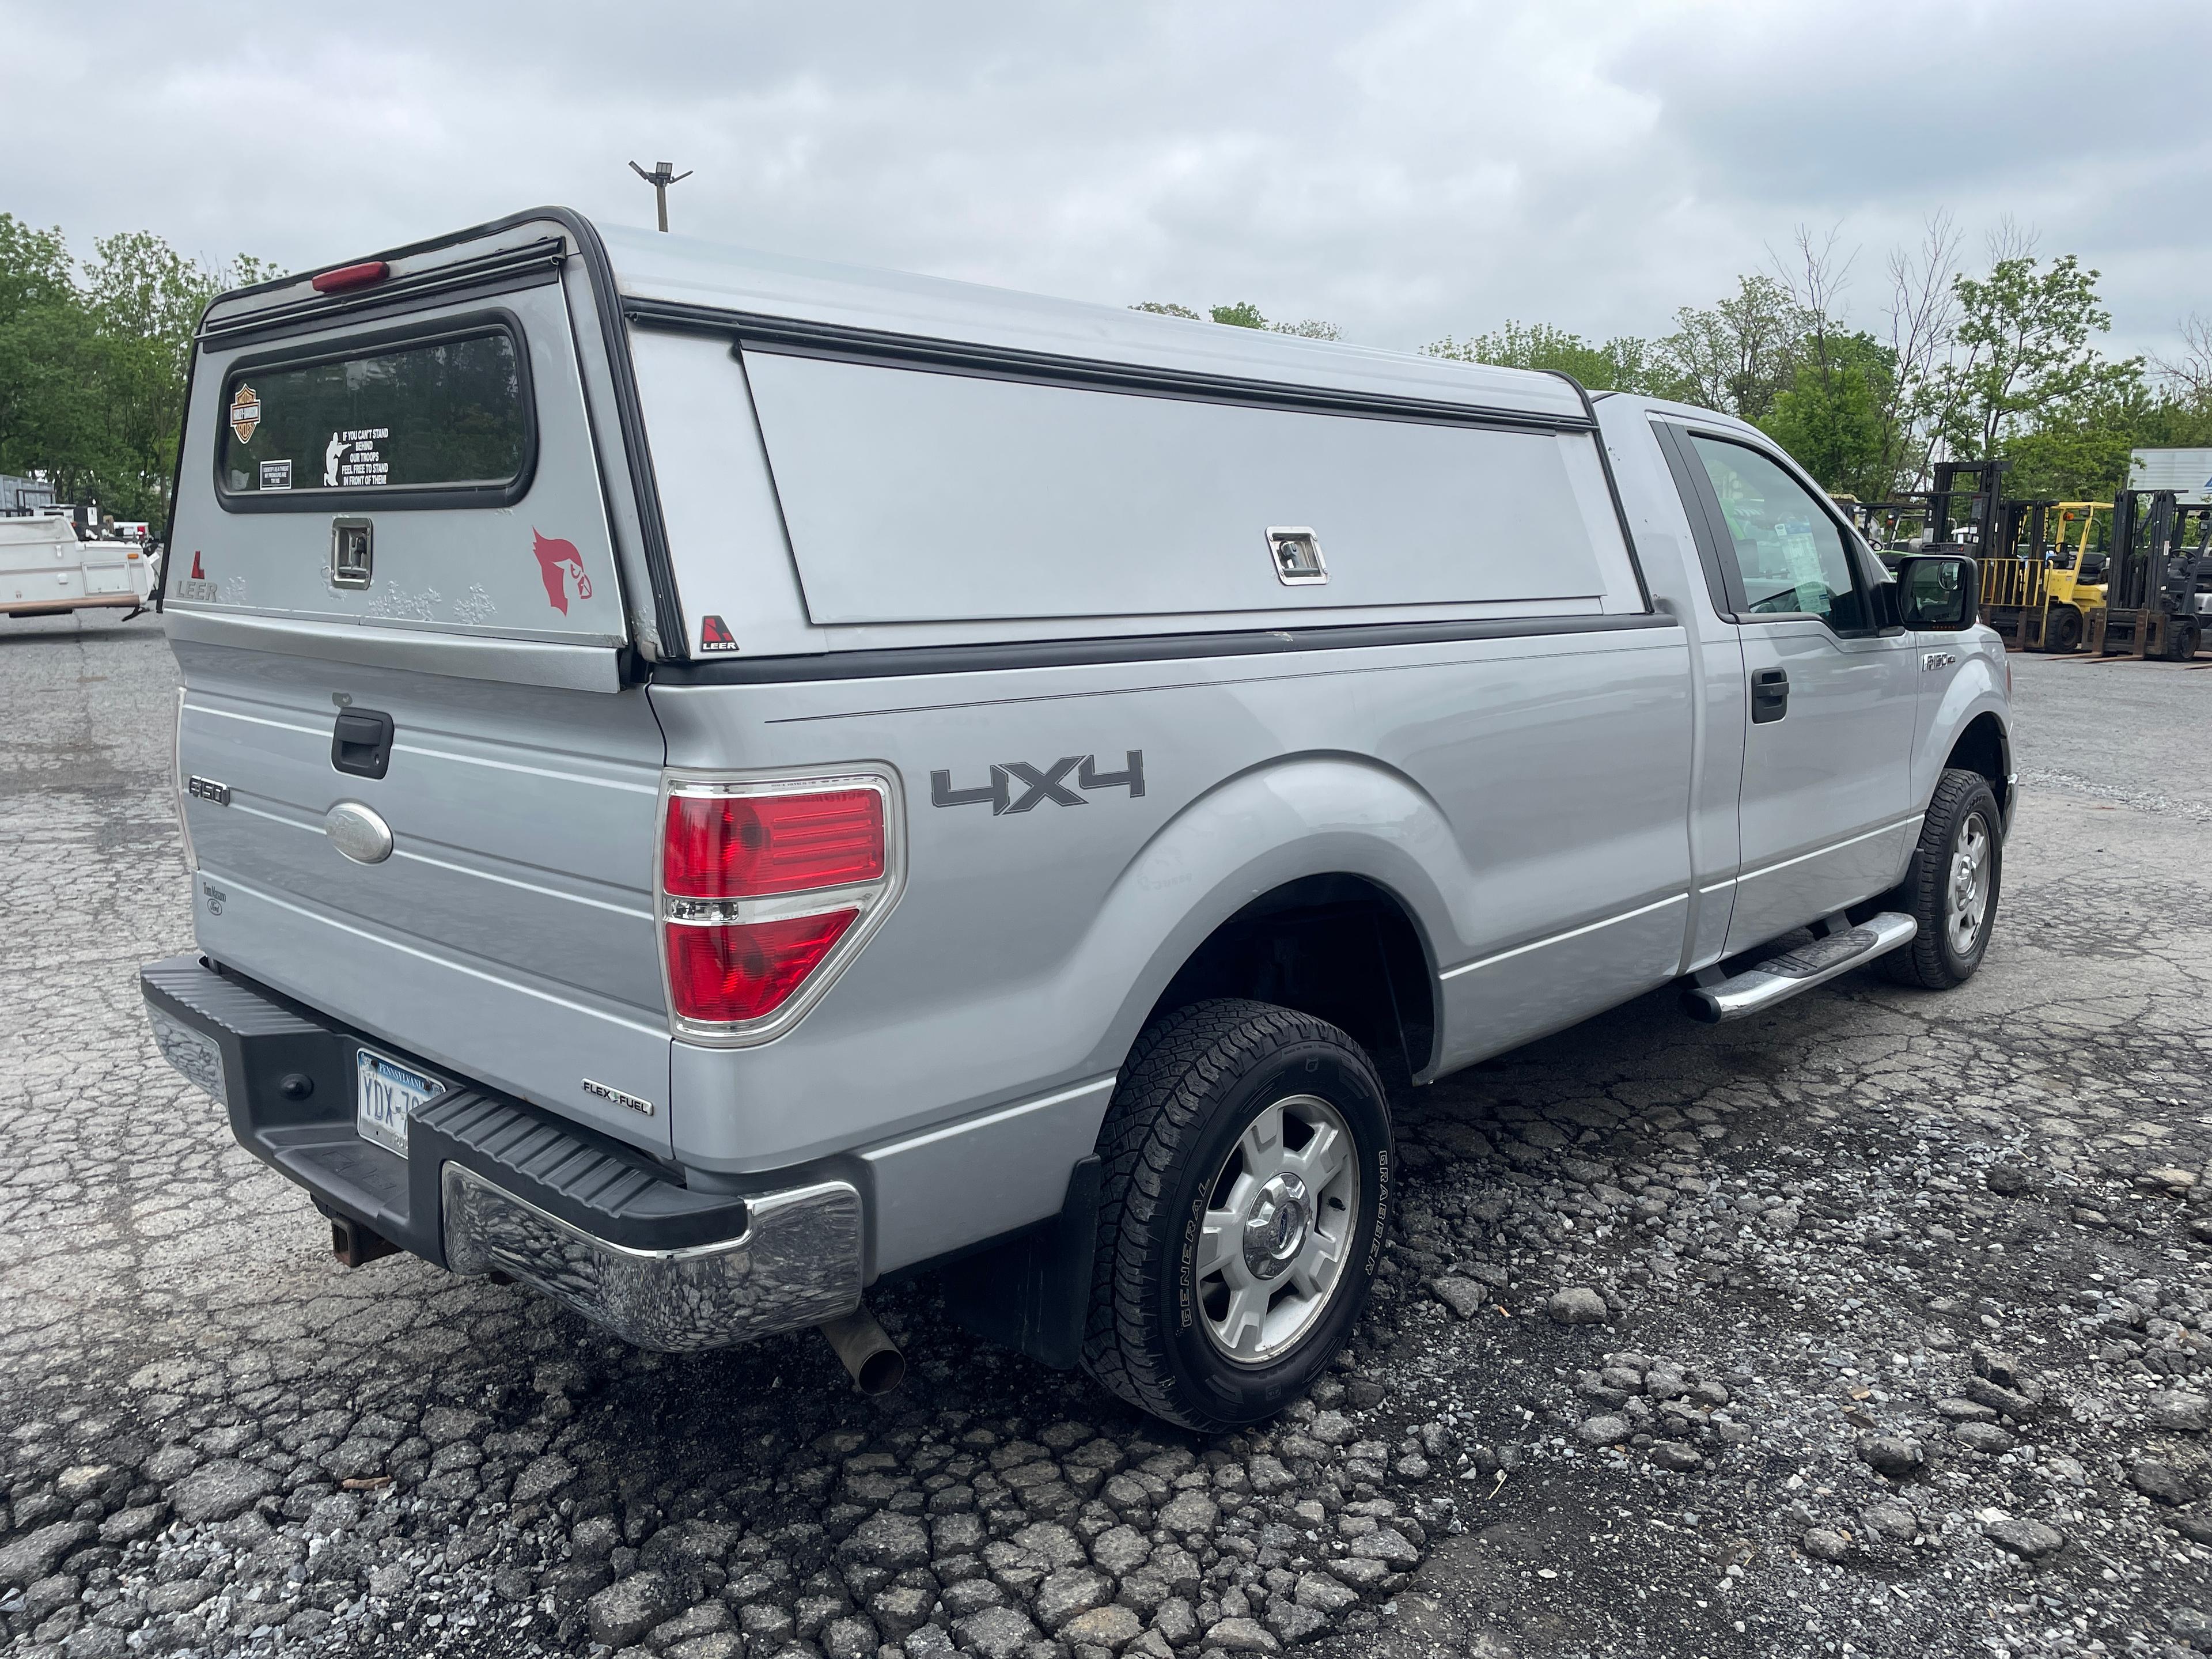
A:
(1405, 169)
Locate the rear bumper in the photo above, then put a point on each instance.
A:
(492, 1184)
(91, 602)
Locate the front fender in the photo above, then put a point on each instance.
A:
(1977, 688)
(1301, 816)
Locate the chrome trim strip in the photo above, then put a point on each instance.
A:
(798, 1263)
(1910, 819)
(1560, 939)
(946, 1130)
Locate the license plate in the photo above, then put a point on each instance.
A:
(384, 1094)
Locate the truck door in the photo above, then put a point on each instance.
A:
(1826, 805)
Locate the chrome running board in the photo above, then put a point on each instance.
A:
(1778, 978)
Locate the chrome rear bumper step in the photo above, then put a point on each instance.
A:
(1781, 977)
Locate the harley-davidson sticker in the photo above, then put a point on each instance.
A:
(714, 635)
(245, 413)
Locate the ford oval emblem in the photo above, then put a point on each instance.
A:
(358, 833)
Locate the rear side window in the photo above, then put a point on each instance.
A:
(390, 421)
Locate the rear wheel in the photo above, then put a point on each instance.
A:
(1951, 886)
(2061, 631)
(1245, 1198)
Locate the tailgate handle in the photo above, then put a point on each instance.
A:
(362, 745)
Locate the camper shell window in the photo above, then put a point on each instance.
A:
(439, 415)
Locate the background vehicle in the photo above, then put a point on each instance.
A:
(2160, 569)
(2041, 580)
(44, 570)
(711, 779)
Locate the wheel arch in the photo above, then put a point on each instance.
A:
(1985, 746)
(1252, 887)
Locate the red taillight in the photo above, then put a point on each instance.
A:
(346, 276)
(738, 971)
(731, 847)
(765, 890)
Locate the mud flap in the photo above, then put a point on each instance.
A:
(1032, 1294)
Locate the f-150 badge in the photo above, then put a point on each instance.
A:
(1040, 784)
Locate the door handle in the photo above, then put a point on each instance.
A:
(1770, 696)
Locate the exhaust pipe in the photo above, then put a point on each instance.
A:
(869, 1354)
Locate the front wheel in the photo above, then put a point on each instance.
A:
(2061, 631)
(1245, 1203)
(1951, 886)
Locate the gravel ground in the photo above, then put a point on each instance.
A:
(1876, 1326)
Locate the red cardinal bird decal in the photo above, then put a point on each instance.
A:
(559, 562)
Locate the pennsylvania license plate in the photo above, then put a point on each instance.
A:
(384, 1094)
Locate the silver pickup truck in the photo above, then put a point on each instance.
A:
(712, 779)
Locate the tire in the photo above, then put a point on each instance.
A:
(2061, 631)
(1175, 1145)
(2181, 642)
(1962, 813)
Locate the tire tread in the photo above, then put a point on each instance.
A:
(1172, 1073)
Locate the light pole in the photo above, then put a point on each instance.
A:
(663, 174)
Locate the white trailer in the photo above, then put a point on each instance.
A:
(44, 570)
(2186, 472)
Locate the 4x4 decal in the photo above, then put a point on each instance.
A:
(1040, 784)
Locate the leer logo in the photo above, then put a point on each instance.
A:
(560, 564)
(245, 413)
(714, 635)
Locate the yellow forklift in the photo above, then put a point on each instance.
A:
(2043, 574)
(2159, 581)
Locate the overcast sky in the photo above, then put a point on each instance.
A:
(1405, 170)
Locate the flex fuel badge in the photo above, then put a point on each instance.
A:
(245, 413)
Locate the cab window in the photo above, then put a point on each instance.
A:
(1787, 551)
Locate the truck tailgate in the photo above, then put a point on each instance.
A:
(508, 936)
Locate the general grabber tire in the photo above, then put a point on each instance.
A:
(1951, 886)
(1247, 1196)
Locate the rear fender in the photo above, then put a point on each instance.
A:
(1306, 816)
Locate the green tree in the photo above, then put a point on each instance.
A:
(1831, 418)
(2023, 354)
(1623, 363)
(1167, 308)
(50, 410)
(92, 359)
(1741, 354)
(2077, 449)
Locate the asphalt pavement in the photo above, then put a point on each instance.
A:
(1876, 1325)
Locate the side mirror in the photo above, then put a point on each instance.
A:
(1938, 592)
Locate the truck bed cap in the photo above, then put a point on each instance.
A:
(688, 272)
